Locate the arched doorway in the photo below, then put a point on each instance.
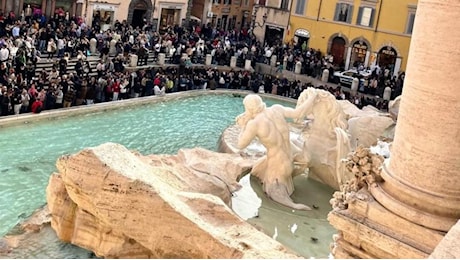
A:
(337, 50)
(138, 11)
(387, 57)
(360, 51)
(273, 35)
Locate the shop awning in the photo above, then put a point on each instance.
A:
(302, 33)
(194, 18)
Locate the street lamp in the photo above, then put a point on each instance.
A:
(255, 24)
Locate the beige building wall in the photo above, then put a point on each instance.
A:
(170, 13)
(161, 13)
(276, 13)
(119, 10)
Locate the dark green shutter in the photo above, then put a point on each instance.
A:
(360, 14)
(410, 25)
(371, 23)
(337, 12)
(350, 14)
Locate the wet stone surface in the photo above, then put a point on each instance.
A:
(44, 244)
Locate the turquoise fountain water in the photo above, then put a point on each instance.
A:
(29, 152)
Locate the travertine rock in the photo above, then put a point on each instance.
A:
(119, 204)
(448, 247)
(351, 110)
(33, 224)
(366, 130)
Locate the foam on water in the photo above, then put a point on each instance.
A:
(245, 201)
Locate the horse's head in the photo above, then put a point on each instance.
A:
(327, 112)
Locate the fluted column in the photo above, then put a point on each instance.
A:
(422, 177)
(79, 8)
(53, 7)
(73, 9)
(16, 8)
(20, 7)
(8, 7)
(44, 6)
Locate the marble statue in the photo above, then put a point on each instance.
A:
(28, 11)
(326, 141)
(393, 107)
(328, 137)
(269, 125)
(336, 129)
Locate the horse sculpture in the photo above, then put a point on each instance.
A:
(336, 129)
(325, 140)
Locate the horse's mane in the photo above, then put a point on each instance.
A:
(327, 108)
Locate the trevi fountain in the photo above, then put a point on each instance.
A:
(389, 183)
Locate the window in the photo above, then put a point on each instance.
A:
(343, 12)
(366, 16)
(216, 2)
(227, 2)
(410, 22)
(285, 4)
(300, 7)
(246, 2)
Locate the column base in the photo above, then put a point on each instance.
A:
(435, 211)
(368, 230)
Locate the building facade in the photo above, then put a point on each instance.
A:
(47, 7)
(354, 32)
(162, 13)
(223, 14)
(271, 20)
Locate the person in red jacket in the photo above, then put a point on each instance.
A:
(37, 106)
(116, 89)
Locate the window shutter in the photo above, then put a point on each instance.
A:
(360, 13)
(410, 25)
(350, 13)
(371, 23)
(300, 7)
(337, 11)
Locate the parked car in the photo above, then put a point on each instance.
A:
(346, 77)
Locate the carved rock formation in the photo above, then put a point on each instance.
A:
(120, 204)
(18, 238)
(366, 125)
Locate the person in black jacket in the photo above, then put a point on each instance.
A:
(143, 55)
(5, 101)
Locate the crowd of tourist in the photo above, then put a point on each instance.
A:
(26, 88)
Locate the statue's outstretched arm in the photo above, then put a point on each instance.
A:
(302, 110)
